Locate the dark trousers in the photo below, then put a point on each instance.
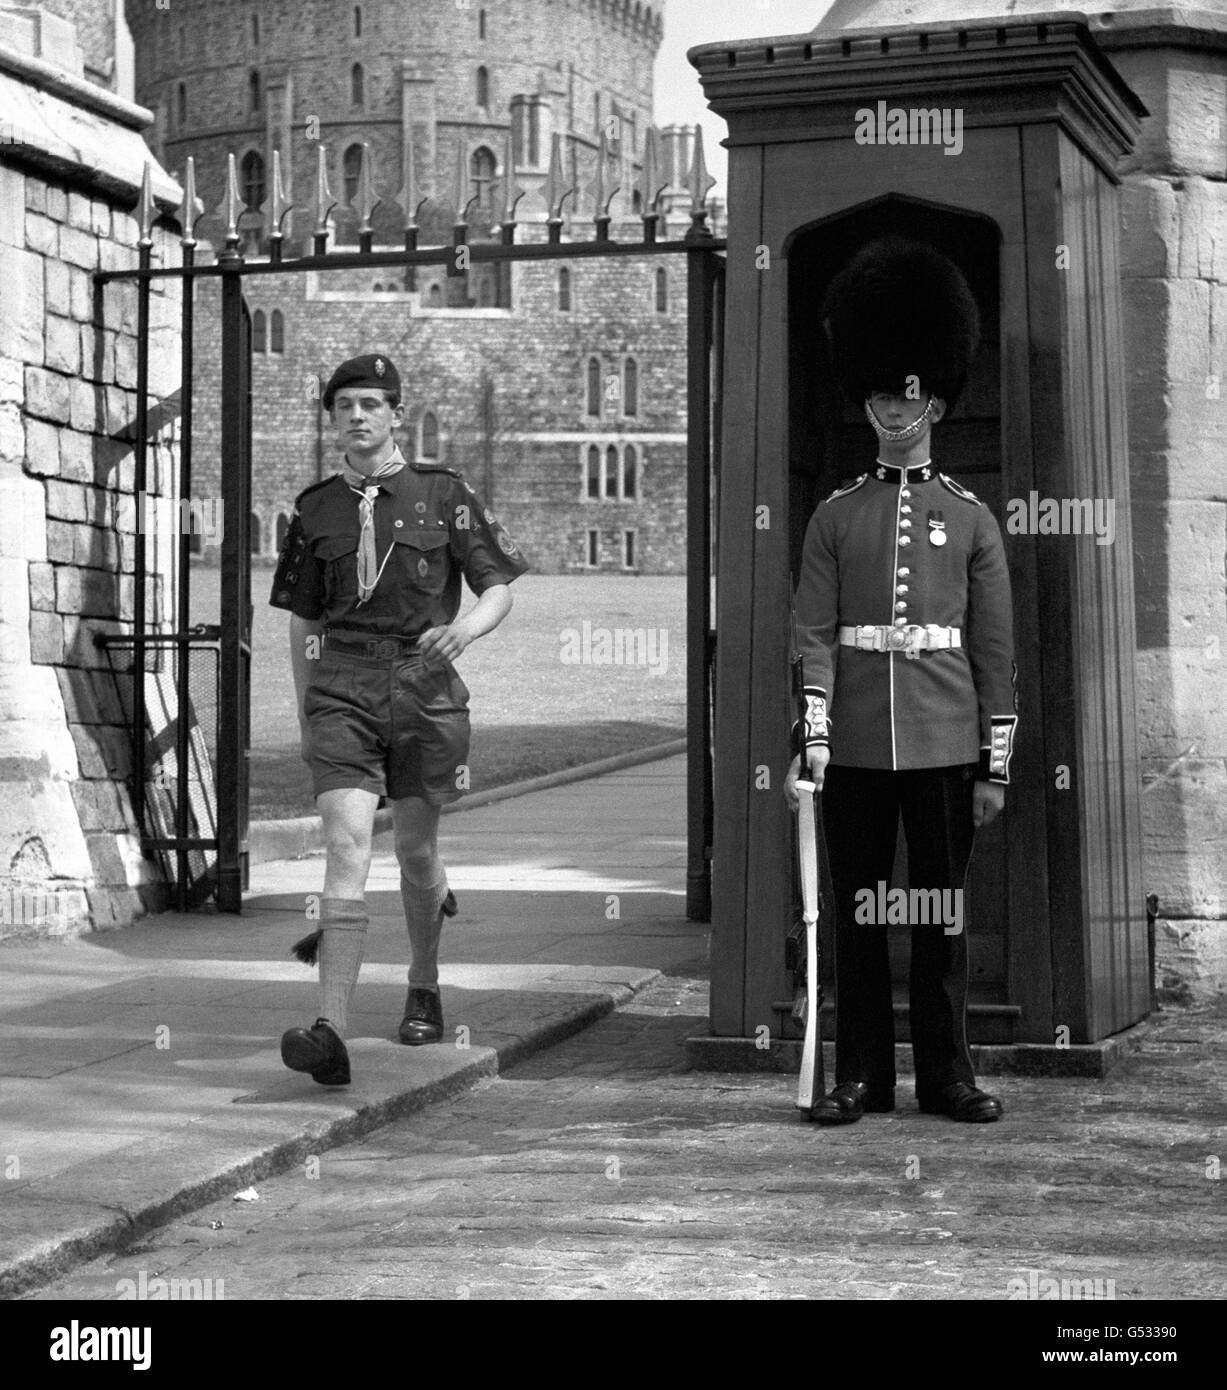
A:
(861, 809)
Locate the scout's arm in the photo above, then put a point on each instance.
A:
(491, 608)
(990, 650)
(298, 584)
(306, 642)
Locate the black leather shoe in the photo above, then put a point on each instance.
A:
(961, 1101)
(319, 1050)
(852, 1099)
(423, 1020)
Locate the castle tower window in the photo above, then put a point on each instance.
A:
(283, 525)
(436, 296)
(181, 103)
(483, 87)
(357, 85)
(481, 171)
(592, 550)
(429, 446)
(593, 490)
(182, 43)
(252, 170)
(481, 24)
(630, 387)
(351, 167)
(276, 333)
(564, 290)
(628, 550)
(253, 91)
(611, 472)
(357, 21)
(255, 28)
(259, 331)
(596, 112)
(630, 474)
(637, 203)
(594, 386)
(662, 291)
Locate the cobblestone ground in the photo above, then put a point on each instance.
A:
(603, 1169)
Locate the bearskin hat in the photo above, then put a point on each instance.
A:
(899, 309)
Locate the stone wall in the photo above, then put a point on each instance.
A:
(69, 852)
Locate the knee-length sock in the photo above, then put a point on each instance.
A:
(343, 922)
(423, 904)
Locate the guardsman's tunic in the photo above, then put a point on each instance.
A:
(904, 625)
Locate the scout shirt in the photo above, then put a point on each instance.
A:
(871, 557)
(437, 529)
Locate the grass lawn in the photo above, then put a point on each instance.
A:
(533, 711)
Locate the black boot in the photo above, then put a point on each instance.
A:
(423, 1020)
(850, 1100)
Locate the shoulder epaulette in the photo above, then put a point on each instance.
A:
(315, 487)
(436, 468)
(960, 491)
(844, 491)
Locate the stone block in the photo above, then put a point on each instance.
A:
(1148, 227)
(78, 248)
(22, 518)
(65, 501)
(120, 412)
(48, 395)
(78, 211)
(85, 410)
(12, 381)
(15, 191)
(60, 541)
(12, 435)
(42, 235)
(81, 289)
(46, 639)
(90, 697)
(1191, 960)
(63, 346)
(76, 457)
(42, 448)
(58, 295)
(42, 588)
(125, 361)
(93, 545)
(98, 806)
(56, 200)
(22, 305)
(100, 217)
(1201, 240)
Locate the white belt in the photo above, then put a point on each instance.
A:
(910, 640)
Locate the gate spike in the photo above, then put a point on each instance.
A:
(191, 208)
(510, 192)
(231, 207)
(366, 199)
(601, 198)
(460, 189)
(651, 185)
(145, 208)
(410, 198)
(322, 202)
(701, 182)
(555, 194)
(277, 204)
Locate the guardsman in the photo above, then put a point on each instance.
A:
(370, 572)
(905, 630)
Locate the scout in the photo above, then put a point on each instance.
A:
(905, 631)
(370, 572)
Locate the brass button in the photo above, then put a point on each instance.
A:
(901, 589)
(399, 523)
(904, 524)
(905, 540)
(901, 606)
(905, 509)
(903, 573)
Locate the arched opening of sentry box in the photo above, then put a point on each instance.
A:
(829, 444)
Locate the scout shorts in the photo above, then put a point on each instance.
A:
(393, 727)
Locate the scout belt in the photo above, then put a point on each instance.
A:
(911, 640)
(371, 647)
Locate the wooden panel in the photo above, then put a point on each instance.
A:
(735, 579)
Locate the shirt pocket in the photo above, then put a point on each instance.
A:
(338, 554)
(424, 560)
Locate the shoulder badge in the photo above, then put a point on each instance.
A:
(959, 490)
(844, 491)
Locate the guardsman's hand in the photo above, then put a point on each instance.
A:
(987, 802)
(437, 644)
(817, 758)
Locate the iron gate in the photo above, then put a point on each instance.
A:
(705, 278)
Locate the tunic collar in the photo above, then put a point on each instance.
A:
(889, 473)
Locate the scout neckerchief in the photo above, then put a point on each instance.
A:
(367, 488)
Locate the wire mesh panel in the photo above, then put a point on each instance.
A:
(178, 809)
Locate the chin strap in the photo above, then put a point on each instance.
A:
(908, 431)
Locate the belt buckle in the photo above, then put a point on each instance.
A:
(897, 638)
(387, 649)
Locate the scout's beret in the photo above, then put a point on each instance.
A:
(900, 309)
(372, 370)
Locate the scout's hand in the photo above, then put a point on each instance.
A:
(437, 644)
(817, 758)
(987, 802)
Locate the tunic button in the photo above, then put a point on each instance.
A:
(901, 607)
(903, 573)
(901, 622)
(905, 540)
(904, 524)
(905, 509)
(905, 493)
(901, 589)
(400, 523)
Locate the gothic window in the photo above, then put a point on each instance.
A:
(357, 21)
(630, 387)
(429, 446)
(276, 333)
(637, 203)
(611, 472)
(596, 112)
(253, 91)
(593, 476)
(628, 550)
(630, 474)
(594, 386)
(481, 171)
(182, 43)
(357, 85)
(564, 290)
(481, 24)
(483, 87)
(252, 171)
(592, 549)
(283, 525)
(259, 331)
(255, 28)
(351, 168)
(181, 102)
(436, 296)
(662, 291)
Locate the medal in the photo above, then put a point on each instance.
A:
(937, 529)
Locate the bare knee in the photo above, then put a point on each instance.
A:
(416, 858)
